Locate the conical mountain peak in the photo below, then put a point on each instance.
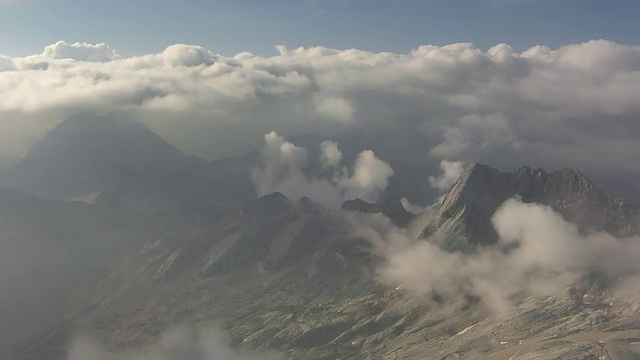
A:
(110, 155)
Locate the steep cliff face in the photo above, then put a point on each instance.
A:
(462, 220)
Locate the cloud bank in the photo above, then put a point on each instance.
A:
(542, 107)
(284, 169)
(538, 253)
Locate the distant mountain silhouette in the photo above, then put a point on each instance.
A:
(118, 159)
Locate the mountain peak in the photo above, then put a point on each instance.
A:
(463, 219)
(267, 205)
(472, 175)
(575, 180)
(109, 155)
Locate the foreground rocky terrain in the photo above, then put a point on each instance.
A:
(290, 279)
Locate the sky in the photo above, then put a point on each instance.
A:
(229, 27)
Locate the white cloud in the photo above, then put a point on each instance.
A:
(335, 108)
(451, 171)
(283, 170)
(187, 55)
(412, 208)
(369, 179)
(282, 161)
(80, 52)
(546, 255)
(330, 155)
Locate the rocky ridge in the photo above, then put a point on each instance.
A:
(462, 220)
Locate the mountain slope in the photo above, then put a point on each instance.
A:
(290, 276)
(263, 255)
(50, 251)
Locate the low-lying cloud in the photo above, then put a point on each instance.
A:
(176, 344)
(538, 253)
(284, 169)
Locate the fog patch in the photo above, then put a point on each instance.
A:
(176, 344)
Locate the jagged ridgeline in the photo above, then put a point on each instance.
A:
(462, 220)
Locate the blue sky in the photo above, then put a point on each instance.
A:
(228, 27)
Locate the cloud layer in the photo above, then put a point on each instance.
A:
(538, 253)
(575, 105)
